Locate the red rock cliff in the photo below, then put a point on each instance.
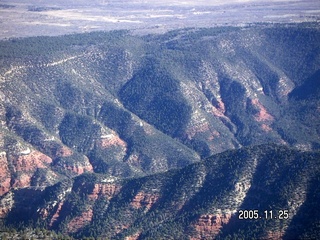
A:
(209, 225)
(79, 222)
(107, 190)
(5, 176)
(143, 199)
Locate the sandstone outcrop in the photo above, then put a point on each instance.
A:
(209, 225)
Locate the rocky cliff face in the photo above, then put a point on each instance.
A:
(209, 195)
(209, 225)
(144, 200)
(5, 174)
(106, 191)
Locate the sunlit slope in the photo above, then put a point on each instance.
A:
(201, 201)
(129, 105)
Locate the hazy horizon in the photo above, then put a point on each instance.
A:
(33, 18)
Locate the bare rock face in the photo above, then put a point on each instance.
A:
(31, 160)
(106, 190)
(134, 236)
(64, 152)
(78, 169)
(5, 176)
(145, 200)
(109, 140)
(81, 165)
(22, 181)
(79, 222)
(56, 214)
(26, 164)
(262, 115)
(209, 225)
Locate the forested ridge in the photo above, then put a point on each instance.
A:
(111, 134)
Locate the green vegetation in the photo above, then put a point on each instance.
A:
(142, 111)
(279, 173)
(155, 97)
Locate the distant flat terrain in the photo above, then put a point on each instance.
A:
(33, 18)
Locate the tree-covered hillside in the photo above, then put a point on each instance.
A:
(201, 201)
(106, 132)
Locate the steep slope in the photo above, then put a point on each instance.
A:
(62, 105)
(127, 106)
(201, 201)
(309, 89)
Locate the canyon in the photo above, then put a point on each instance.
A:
(118, 135)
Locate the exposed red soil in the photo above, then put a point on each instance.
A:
(22, 181)
(108, 190)
(143, 199)
(64, 152)
(262, 114)
(266, 127)
(56, 214)
(79, 222)
(5, 176)
(209, 225)
(134, 236)
(31, 161)
(111, 140)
